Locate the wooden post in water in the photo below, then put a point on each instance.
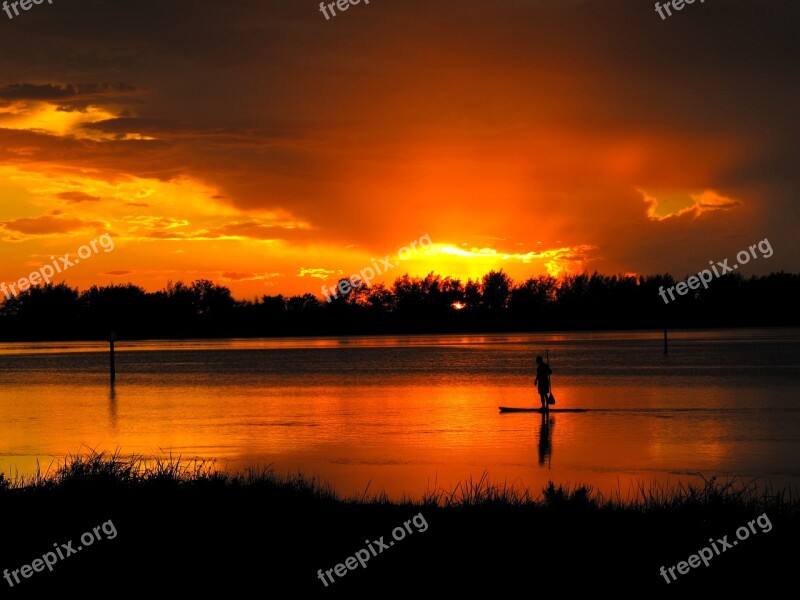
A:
(112, 336)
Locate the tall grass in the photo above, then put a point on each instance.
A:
(94, 470)
(114, 470)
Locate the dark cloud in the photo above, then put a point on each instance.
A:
(257, 231)
(71, 96)
(132, 125)
(75, 197)
(49, 224)
(26, 91)
(280, 109)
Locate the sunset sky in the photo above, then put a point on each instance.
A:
(257, 144)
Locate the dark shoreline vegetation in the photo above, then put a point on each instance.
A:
(233, 532)
(431, 304)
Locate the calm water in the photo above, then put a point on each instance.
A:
(406, 414)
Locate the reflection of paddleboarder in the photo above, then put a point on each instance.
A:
(542, 381)
(546, 438)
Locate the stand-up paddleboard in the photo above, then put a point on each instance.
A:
(539, 410)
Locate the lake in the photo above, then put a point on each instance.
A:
(407, 414)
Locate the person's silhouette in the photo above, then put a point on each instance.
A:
(542, 381)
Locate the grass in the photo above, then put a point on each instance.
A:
(111, 470)
(175, 514)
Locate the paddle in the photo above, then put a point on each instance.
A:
(550, 398)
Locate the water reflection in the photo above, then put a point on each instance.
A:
(546, 439)
(408, 411)
(112, 406)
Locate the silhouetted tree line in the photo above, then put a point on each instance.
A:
(411, 305)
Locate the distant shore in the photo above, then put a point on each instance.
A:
(411, 305)
(182, 522)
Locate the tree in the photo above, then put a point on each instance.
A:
(495, 290)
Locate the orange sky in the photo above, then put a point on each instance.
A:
(273, 151)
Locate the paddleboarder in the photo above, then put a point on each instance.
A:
(542, 381)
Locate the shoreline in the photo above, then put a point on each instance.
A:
(656, 332)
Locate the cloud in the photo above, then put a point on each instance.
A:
(48, 225)
(59, 92)
(318, 273)
(557, 261)
(707, 201)
(74, 197)
(237, 276)
(526, 120)
(133, 125)
(711, 200)
(257, 230)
